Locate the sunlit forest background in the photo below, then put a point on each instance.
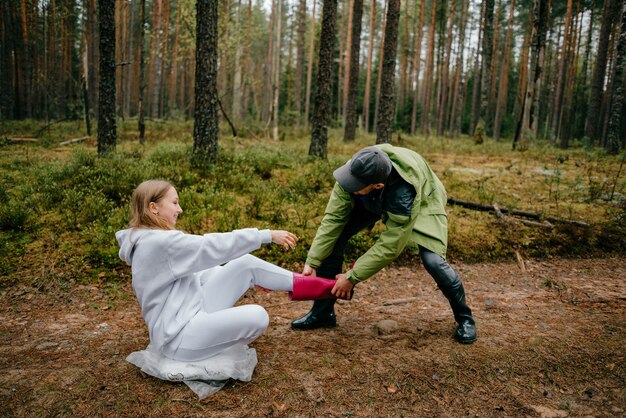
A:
(461, 66)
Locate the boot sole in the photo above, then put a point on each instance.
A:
(310, 327)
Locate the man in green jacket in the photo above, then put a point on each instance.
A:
(397, 186)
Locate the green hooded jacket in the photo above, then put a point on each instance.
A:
(426, 226)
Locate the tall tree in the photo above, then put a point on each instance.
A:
(615, 137)
(592, 128)
(560, 81)
(384, 126)
(404, 57)
(457, 90)
(309, 71)
(504, 76)
(106, 116)
(445, 77)
(141, 124)
(530, 105)
(300, 57)
(353, 75)
(429, 71)
(368, 77)
(92, 53)
(379, 75)
(206, 122)
(323, 94)
(487, 56)
(417, 61)
(276, 67)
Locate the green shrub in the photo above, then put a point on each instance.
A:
(14, 216)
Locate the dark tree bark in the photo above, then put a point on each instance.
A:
(615, 140)
(323, 94)
(487, 50)
(530, 108)
(92, 54)
(206, 122)
(592, 128)
(141, 124)
(384, 125)
(300, 47)
(106, 115)
(353, 83)
(7, 48)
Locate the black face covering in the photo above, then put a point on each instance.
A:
(372, 201)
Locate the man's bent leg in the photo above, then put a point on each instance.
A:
(322, 314)
(452, 288)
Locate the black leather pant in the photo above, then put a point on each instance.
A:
(444, 275)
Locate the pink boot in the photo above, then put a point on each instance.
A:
(311, 288)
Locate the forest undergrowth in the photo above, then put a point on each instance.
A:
(63, 204)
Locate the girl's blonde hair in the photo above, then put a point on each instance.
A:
(140, 214)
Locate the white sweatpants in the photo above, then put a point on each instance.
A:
(219, 325)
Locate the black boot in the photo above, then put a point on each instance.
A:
(321, 315)
(465, 332)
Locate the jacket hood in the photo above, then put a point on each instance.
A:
(127, 238)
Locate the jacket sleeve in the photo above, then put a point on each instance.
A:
(335, 217)
(193, 253)
(387, 248)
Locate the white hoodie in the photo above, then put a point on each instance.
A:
(165, 266)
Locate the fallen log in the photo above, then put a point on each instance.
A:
(71, 141)
(503, 210)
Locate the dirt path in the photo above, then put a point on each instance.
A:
(551, 344)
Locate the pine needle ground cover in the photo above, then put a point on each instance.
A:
(548, 296)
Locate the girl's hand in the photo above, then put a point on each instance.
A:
(284, 238)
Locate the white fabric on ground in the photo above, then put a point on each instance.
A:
(203, 377)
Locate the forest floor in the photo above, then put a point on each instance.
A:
(552, 342)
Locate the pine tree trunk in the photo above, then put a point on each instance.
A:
(442, 116)
(155, 29)
(347, 62)
(309, 72)
(530, 104)
(592, 128)
(7, 105)
(487, 57)
(300, 58)
(428, 72)
(141, 124)
(106, 116)
(379, 73)
(248, 71)
(560, 82)
(323, 94)
(615, 138)
(417, 62)
(269, 76)
(353, 75)
(368, 77)
(504, 76)
(582, 89)
(128, 74)
(172, 103)
(120, 35)
(340, 75)
(206, 121)
(276, 67)
(565, 116)
(384, 126)
(404, 52)
(477, 75)
(92, 54)
(493, 66)
(457, 91)
(238, 76)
